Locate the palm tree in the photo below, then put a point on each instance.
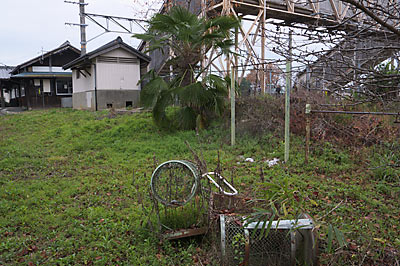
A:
(188, 38)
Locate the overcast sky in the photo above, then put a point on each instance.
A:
(28, 26)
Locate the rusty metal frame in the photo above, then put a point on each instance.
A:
(310, 12)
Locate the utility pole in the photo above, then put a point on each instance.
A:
(287, 98)
(94, 18)
(83, 26)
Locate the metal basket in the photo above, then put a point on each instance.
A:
(243, 244)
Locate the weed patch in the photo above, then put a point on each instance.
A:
(68, 194)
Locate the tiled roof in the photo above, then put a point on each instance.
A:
(66, 45)
(117, 43)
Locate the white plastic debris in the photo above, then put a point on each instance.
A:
(250, 160)
(272, 162)
(241, 157)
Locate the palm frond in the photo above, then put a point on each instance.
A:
(186, 118)
(194, 94)
(160, 118)
(186, 35)
(151, 91)
(223, 23)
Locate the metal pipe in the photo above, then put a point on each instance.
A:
(287, 98)
(270, 81)
(263, 47)
(233, 135)
(95, 85)
(236, 55)
(308, 132)
(353, 112)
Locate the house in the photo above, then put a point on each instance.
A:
(108, 77)
(8, 89)
(42, 81)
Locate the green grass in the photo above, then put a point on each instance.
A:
(67, 195)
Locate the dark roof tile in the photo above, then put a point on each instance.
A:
(114, 44)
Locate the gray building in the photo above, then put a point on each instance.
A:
(42, 83)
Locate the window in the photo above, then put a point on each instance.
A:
(63, 87)
(128, 104)
(46, 85)
(109, 105)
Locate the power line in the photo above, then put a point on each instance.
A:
(115, 20)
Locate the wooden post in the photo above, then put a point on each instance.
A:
(233, 106)
(287, 98)
(2, 101)
(28, 95)
(308, 131)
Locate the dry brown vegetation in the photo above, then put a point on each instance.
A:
(257, 115)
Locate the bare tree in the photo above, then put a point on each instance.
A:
(356, 60)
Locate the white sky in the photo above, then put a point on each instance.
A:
(28, 26)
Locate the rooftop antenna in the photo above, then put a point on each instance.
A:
(42, 52)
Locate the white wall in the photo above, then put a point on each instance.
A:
(110, 75)
(118, 76)
(119, 53)
(48, 69)
(83, 83)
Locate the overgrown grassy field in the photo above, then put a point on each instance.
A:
(68, 197)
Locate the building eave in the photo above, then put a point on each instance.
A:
(63, 47)
(28, 75)
(115, 44)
